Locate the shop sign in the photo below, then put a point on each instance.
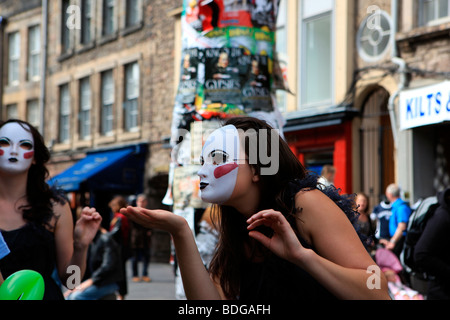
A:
(425, 105)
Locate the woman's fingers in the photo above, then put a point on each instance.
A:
(160, 219)
(135, 215)
(269, 218)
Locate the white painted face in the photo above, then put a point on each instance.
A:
(220, 156)
(16, 148)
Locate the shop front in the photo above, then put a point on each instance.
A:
(322, 140)
(425, 111)
(96, 178)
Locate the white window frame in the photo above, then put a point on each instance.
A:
(138, 13)
(64, 113)
(33, 112)
(87, 14)
(131, 97)
(13, 58)
(67, 41)
(301, 49)
(12, 111)
(107, 103)
(34, 52)
(106, 6)
(436, 19)
(85, 109)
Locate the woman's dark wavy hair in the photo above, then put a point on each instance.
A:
(227, 262)
(40, 197)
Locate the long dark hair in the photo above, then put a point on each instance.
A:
(229, 257)
(40, 196)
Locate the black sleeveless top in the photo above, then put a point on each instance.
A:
(32, 247)
(278, 279)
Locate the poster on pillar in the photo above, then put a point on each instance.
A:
(228, 66)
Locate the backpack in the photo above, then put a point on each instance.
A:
(416, 225)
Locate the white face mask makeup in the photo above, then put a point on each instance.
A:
(219, 158)
(16, 148)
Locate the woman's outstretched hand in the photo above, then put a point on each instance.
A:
(159, 219)
(284, 243)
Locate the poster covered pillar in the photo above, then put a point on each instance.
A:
(228, 69)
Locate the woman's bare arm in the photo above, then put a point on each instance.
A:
(196, 279)
(341, 263)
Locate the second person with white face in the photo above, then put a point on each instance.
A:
(35, 220)
(280, 236)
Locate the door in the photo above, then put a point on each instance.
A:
(377, 146)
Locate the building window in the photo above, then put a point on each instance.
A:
(281, 47)
(86, 21)
(33, 112)
(131, 96)
(11, 111)
(316, 50)
(85, 109)
(132, 15)
(107, 115)
(64, 113)
(66, 33)
(13, 58)
(34, 52)
(108, 17)
(433, 11)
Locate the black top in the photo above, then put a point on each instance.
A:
(32, 247)
(278, 279)
(104, 261)
(432, 252)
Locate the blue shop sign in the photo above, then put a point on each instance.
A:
(425, 105)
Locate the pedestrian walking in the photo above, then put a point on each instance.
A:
(398, 220)
(140, 245)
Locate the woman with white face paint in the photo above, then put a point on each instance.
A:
(280, 236)
(36, 221)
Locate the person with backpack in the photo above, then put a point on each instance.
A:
(432, 252)
(398, 220)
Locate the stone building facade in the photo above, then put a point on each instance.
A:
(109, 83)
(417, 56)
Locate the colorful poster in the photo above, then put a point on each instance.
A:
(224, 74)
(187, 87)
(227, 69)
(256, 94)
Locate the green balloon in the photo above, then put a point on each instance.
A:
(23, 285)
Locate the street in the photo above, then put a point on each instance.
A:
(162, 286)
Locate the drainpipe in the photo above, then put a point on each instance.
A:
(403, 83)
(43, 66)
